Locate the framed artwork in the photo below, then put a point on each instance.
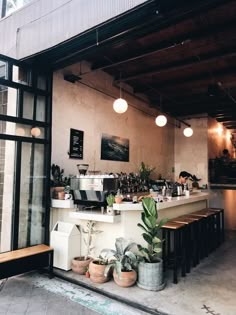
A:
(76, 144)
(114, 148)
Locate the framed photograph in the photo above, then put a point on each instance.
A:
(76, 144)
(114, 148)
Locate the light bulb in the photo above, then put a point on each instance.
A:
(161, 121)
(188, 132)
(35, 132)
(120, 106)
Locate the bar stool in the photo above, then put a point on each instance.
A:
(207, 230)
(178, 232)
(192, 238)
(219, 212)
(198, 238)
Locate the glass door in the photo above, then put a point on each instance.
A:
(25, 149)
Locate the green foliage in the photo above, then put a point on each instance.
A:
(110, 200)
(121, 259)
(145, 171)
(151, 229)
(58, 178)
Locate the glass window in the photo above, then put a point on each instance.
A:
(32, 199)
(41, 82)
(7, 177)
(40, 109)
(15, 129)
(13, 5)
(28, 108)
(8, 101)
(21, 75)
(3, 69)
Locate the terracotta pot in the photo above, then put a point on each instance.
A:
(61, 195)
(126, 279)
(97, 272)
(79, 265)
(56, 190)
(118, 199)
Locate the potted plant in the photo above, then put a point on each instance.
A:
(97, 269)
(110, 199)
(118, 197)
(145, 171)
(80, 264)
(123, 262)
(58, 181)
(150, 269)
(195, 181)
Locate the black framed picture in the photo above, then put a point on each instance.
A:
(114, 148)
(76, 144)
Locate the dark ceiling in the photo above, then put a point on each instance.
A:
(180, 52)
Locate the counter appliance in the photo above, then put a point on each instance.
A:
(91, 190)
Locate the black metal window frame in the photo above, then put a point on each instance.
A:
(47, 124)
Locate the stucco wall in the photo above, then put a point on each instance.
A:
(79, 107)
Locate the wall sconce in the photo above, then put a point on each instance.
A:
(35, 132)
(161, 120)
(188, 132)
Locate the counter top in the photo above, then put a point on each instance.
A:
(174, 202)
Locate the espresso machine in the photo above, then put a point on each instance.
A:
(92, 190)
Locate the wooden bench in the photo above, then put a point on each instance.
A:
(26, 259)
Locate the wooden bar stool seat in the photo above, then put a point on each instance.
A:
(177, 232)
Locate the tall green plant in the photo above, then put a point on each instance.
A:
(151, 229)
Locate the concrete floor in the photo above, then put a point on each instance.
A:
(209, 289)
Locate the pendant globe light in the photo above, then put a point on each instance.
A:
(161, 120)
(188, 132)
(120, 105)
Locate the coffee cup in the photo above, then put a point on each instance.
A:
(68, 196)
(187, 193)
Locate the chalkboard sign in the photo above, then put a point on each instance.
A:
(76, 144)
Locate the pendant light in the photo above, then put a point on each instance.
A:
(161, 120)
(120, 105)
(188, 132)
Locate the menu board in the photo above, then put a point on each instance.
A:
(76, 144)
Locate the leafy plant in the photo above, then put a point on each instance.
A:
(102, 259)
(145, 171)
(58, 178)
(110, 200)
(151, 229)
(121, 259)
(88, 240)
(195, 181)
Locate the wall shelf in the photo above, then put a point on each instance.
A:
(95, 216)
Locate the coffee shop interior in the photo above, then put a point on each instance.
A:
(122, 108)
